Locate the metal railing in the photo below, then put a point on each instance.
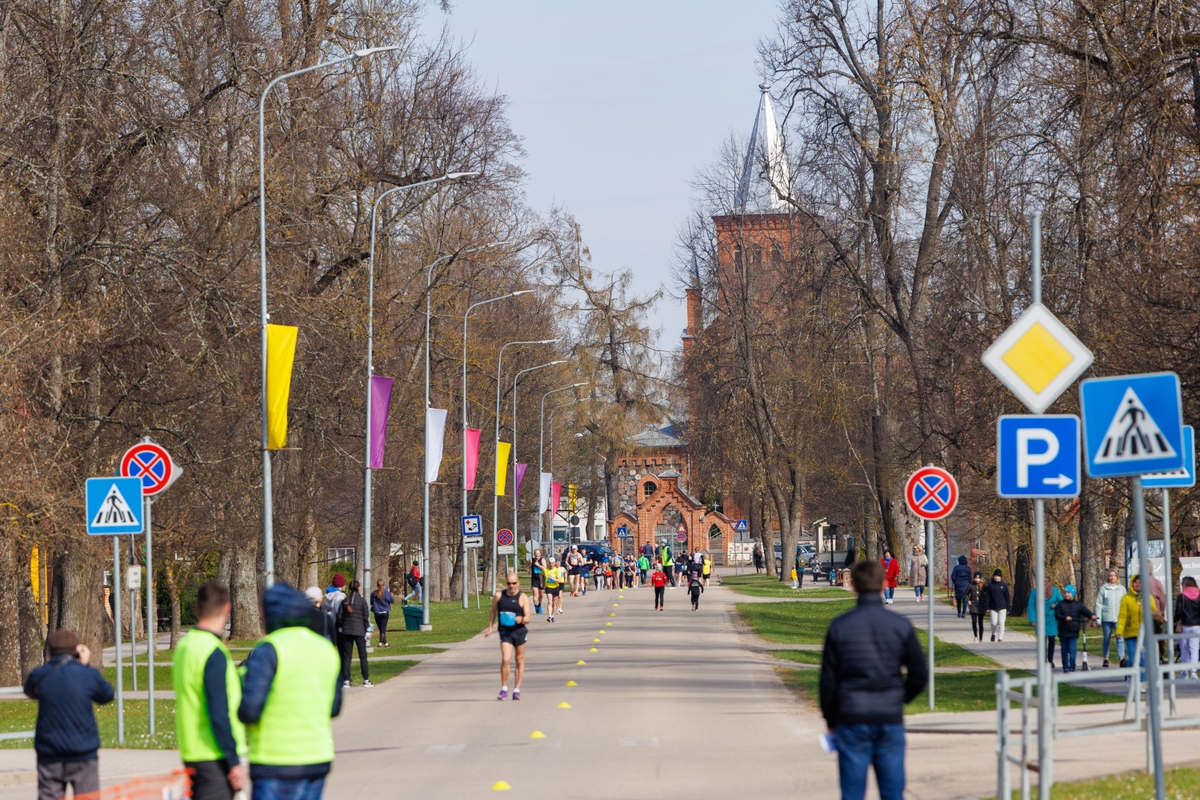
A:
(1021, 691)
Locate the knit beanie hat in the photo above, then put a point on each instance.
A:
(62, 643)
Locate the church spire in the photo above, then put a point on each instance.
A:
(764, 156)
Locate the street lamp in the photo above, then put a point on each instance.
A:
(464, 418)
(268, 508)
(554, 511)
(516, 382)
(541, 443)
(496, 497)
(425, 626)
(366, 560)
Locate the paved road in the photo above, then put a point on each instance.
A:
(670, 705)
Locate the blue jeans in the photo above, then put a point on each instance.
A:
(960, 602)
(888, 592)
(1131, 652)
(289, 790)
(859, 747)
(1068, 652)
(1109, 628)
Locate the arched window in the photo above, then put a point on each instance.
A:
(648, 488)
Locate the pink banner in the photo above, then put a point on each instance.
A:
(555, 496)
(381, 399)
(470, 456)
(520, 474)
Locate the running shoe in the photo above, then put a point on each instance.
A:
(367, 683)
(503, 695)
(345, 683)
(516, 694)
(550, 619)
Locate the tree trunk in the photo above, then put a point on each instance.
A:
(883, 485)
(169, 571)
(79, 607)
(10, 636)
(1024, 566)
(243, 589)
(1091, 551)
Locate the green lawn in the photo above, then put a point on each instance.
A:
(964, 691)
(1181, 783)
(806, 623)
(799, 656)
(451, 623)
(1094, 646)
(769, 586)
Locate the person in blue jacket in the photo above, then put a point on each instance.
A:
(1053, 598)
(960, 578)
(66, 738)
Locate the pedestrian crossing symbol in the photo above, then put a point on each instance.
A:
(1133, 424)
(114, 505)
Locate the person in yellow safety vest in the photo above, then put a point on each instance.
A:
(212, 740)
(668, 562)
(290, 692)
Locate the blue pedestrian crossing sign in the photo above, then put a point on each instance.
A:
(114, 505)
(741, 526)
(1179, 479)
(622, 532)
(1132, 424)
(1037, 456)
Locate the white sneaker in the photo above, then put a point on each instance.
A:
(367, 683)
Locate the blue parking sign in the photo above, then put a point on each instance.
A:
(1037, 456)
(1132, 424)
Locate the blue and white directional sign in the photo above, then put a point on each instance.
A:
(114, 505)
(1037, 456)
(741, 526)
(1132, 424)
(1179, 479)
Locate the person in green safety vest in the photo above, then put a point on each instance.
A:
(212, 740)
(290, 692)
(668, 562)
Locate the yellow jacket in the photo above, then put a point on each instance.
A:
(1129, 619)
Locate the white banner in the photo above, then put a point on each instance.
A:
(435, 434)
(544, 493)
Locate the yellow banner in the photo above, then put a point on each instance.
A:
(502, 451)
(281, 352)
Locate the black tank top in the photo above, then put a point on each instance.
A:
(511, 604)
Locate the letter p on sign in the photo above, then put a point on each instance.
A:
(1027, 459)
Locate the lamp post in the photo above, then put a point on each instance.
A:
(542, 441)
(496, 497)
(516, 382)
(554, 511)
(464, 419)
(366, 559)
(268, 506)
(425, 485)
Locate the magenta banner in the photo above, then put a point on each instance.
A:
(555, 496)
(520, 474)
(381, 400)
(470, 456)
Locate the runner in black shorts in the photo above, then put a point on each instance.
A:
(513, 609)
(537, 579)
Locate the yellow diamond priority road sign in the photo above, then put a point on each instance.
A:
(1037, 358)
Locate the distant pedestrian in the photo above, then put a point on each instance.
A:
(668, 562)
(996, 601)
(66, 739)
(415, 583)
(694, 588)
(758, 559)
(381, 607)
(511, 608)
(1108, 609)
(354, 621)
(706, 568)
(918, 572)
(863, 687)
(1051, 597)
(556, 576)
(322, 621)
(208, 691)
(891, 575)
(643, 565)
(290, 692)
(1071, 615)
(1187, 619)
(659, 581)
(1129, 623)
(975, 604)
(960, 578)
(537, 578)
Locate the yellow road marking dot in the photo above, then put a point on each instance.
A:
(564, 705)
(500, 786)
(593, 650)
(612, 615)
(572, 683)
(537, 735)
(607, 624)
(620, 597)
(603, 631)
(580, 663)
(595, 640)
(615, 605)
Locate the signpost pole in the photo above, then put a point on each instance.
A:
(151, 616)
(929, 599)
(116, 596)
(1168, 569)
(1045, 753)
(1153, 672)
(133, 620)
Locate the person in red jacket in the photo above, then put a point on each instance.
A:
(891, 575)
(659, 581)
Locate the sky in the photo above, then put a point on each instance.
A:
(619, 103)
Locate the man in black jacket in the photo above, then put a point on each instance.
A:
(67, 740)
(863, 690)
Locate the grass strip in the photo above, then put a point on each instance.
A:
(770, 586)
(1182, 782)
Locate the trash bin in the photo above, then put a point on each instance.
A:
(413, 616)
